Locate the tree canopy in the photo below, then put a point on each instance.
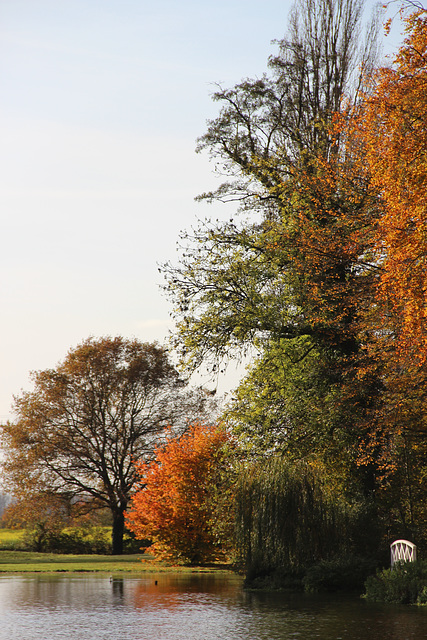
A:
(78, 432)
(285, 266)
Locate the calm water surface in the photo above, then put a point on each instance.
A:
(189, 607)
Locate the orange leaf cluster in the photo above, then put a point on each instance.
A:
(393, 125)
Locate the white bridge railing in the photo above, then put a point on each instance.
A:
(403, 551)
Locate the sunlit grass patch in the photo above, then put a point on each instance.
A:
(24, 561)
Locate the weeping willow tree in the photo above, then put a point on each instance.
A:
(288, 518)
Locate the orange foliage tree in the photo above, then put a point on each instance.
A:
(394, 130)
(181, 504)
(389, 131)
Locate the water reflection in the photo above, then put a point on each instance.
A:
(188, 607)
(118, 586)
(170, 591)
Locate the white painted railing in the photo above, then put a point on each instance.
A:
(403, 551)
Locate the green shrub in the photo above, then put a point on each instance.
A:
(405, 583)
(422, 596)
(80, 540)
(257, 579)
(132, 545)
(342, 573)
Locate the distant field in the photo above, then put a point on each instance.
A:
(11, 538)
(98, 538)
(27, 561)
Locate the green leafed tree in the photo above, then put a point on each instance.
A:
(78, 432)
(289, 268)
(295, 401)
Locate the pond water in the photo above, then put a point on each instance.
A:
(189, 607)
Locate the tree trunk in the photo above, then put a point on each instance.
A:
(118, 531)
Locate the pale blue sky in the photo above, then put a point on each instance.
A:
(100, 105)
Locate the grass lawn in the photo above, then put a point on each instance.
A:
(14, 560)
(28, 561)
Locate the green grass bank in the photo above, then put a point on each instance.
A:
(32, 562)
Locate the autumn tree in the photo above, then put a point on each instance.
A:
(182, 503)
(77, 433)
(390, 126)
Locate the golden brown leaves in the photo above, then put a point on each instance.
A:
(393, 126)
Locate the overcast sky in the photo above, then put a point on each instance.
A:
(101, 102)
